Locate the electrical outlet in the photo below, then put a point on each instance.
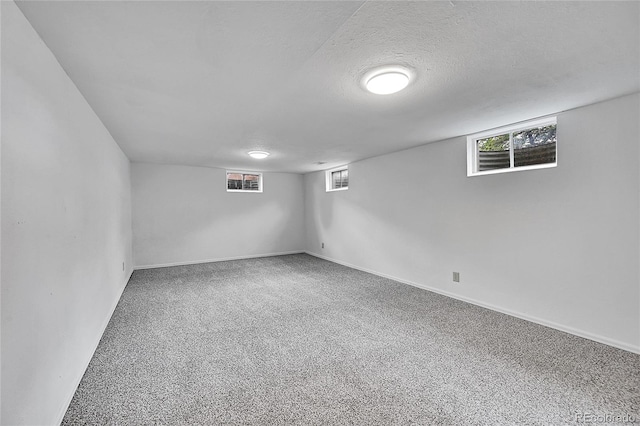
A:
(456, 277)
(123, 266)
(322, 245)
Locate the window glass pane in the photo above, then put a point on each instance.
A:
(339, 179)
(493, 153)
(234, 181)
(335, 180)
(534, 146)
(345, 178)
(251, 182)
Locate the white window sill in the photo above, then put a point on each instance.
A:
(513, 169)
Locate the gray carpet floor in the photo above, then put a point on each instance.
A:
(299, 340)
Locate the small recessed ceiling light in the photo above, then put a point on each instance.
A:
(259, 154)
(387, 80)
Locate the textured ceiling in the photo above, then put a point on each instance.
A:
(202, 83)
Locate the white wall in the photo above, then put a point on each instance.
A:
(66, 228)
(184, 214)
(558, 246)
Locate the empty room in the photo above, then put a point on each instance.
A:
(320, 212)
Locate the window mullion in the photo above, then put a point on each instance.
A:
(512, 162)
(476, 159)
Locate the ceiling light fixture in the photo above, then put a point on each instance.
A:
(259, 154)
(387, 80)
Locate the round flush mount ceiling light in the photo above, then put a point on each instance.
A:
(387, 80)
(259, 154)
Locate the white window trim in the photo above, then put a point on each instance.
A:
(327, 176)
(244, 172)
(472, 151)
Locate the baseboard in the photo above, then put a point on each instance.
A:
(220, 259)
(65, 406)
(550, 324)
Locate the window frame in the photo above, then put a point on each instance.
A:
(245, 172)
(329, 180)
(472, 147)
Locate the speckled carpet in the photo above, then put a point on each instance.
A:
(299, 340)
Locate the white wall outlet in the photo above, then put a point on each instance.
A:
(456, 277)
(322, 245)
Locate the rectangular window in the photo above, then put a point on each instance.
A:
(337, 179)
(244, 182)
(525, 146)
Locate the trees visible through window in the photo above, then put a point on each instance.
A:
(337, 179)
(527, 146)
(240, 181)
(534, 146)
(340, 179)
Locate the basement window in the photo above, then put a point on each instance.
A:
(244, 181)
(526, 146)
(337, 179)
